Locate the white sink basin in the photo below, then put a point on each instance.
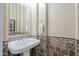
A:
(20, 46)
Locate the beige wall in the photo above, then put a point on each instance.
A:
(5, 22)
(62, 21)
(78, 18)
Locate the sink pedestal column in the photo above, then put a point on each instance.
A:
(26, 53)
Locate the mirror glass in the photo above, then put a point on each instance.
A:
(19, 16)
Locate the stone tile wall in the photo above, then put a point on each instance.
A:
(56, 46)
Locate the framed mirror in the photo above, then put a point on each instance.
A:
(19, 18)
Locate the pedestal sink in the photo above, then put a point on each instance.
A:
(22, 46)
